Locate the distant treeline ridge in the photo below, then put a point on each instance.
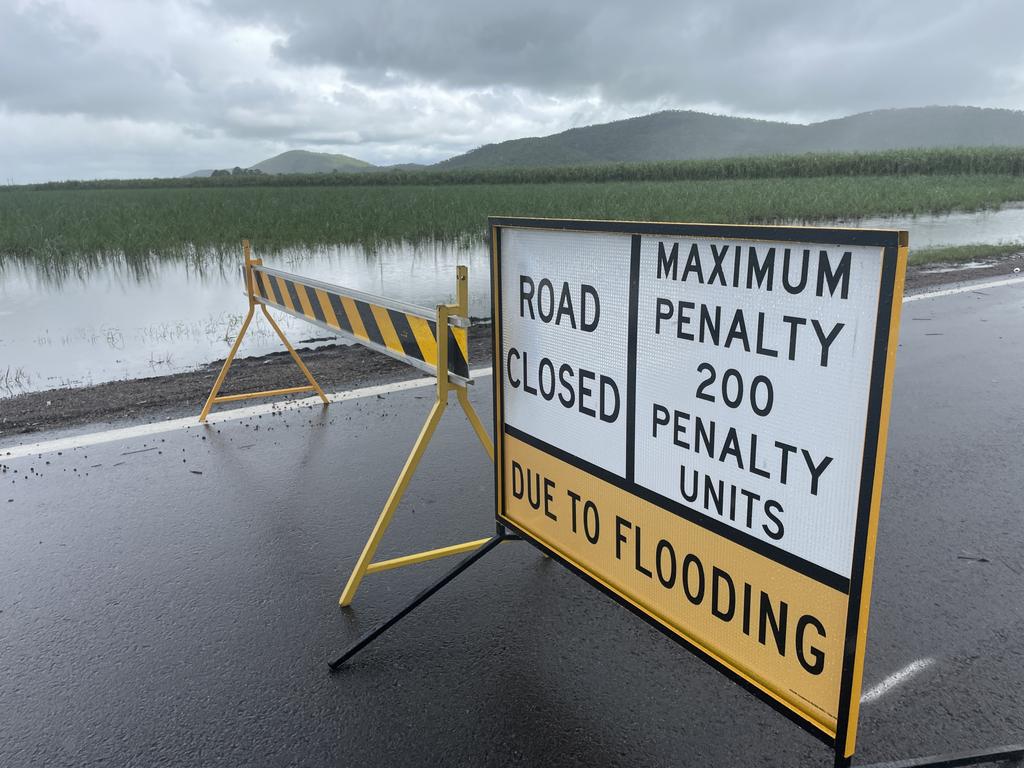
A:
(902, 162)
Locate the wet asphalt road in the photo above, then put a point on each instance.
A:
(173, 600)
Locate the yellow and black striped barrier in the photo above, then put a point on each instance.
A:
(400, 330)
(403, 331)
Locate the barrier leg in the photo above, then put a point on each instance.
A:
(474, 420)
(250, 290)
(349, 593)
(227, 365)
(365, 563)
(295, 356)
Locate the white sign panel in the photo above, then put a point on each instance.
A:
(567, 287)
(753, 373)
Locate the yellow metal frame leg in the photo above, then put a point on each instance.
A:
(422, 557)
(295, 356)
(365, 563)
(474, 420)
(214, 397)
(349, 593)
(227, 365)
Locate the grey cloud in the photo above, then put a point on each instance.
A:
(748, 55)
(115, 87)
(52, 62)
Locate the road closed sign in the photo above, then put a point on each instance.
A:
(693, 418)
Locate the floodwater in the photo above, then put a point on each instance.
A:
(111, 323)
(1003, 226)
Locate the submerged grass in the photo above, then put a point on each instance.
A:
(83, 229)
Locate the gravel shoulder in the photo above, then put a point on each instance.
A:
(337, 367)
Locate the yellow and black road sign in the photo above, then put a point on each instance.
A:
(693, 418)
(400, 330)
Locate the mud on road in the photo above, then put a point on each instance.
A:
(336, 367)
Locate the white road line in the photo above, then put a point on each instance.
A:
(144, 430)
(172, 425)
(963, 289)
(896, 678)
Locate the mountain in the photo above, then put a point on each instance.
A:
(302, 161)
(920, 127)
(679, 135)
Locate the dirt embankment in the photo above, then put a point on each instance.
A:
(336, 367)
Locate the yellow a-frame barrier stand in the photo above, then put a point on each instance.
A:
(250, 292)
(445, 385)
(433, 356)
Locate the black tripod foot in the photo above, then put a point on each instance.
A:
(1014, 752)
(373, 634)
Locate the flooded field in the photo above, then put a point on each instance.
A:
(1005, 225)
(111, 323)
(105, 321)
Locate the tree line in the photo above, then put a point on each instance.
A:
(903, 162)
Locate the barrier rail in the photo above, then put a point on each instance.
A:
(403, 331)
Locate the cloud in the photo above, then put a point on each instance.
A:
(761, 56)
(123, 87)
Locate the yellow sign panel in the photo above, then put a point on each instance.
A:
(782, 630)
(693, 418)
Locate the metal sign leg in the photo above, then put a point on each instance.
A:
(1014, 752)
(368, 638)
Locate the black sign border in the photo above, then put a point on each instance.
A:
(892, 243)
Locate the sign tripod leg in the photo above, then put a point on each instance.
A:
(422, 597)
(1014, 752)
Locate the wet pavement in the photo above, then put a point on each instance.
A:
(172, 600)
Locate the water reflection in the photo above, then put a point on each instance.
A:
(1005, 225)
(101, 320)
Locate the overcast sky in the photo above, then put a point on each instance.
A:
(127, 88)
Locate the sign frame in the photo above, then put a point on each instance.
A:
(893, 245)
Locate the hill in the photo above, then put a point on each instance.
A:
(680, 135)
(299, 161)
(303, 161)
(921, 127)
